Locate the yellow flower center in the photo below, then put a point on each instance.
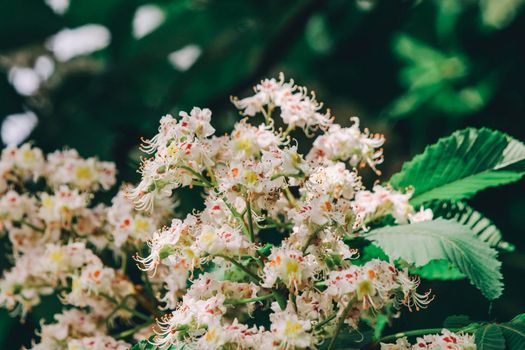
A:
(171, 151)
(250, 176)
(365, 288)
(292, 267)
(28, 155)
(207, 236)
(244, 145)
(141, 225)
(56, 256)
(47, 202)
(292, 328)
(84, 173)
(211, 335)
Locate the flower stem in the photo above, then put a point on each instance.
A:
(325, 321)
(312, 237)
(38, 229)
(290, 196)
(417, 332)
(128, 332)
(340, 323)
(238, 216)
(240, 266)
(201, 177)
(247, 300)
(136, 313)
(250, 220)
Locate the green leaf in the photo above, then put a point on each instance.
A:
(514, 333)
(370, 252)
(519, 318)
(439, 270)
(414, 51)
(482, 227)
(441, 239)
(458, 166)
(382, 322)
(489, 337)
(456, 321)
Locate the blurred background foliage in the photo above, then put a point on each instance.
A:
(98, 75)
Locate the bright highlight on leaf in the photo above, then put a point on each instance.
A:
(459, 166)
(422, 242)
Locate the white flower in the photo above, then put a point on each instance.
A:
(298, 108)
(67, 167)
(348, 145)
(421, 215)
(62, 205)
(334, 180)
(291, 267)
(25, 161)
(197, 122)
(222, 240)
(445, 341)
(172, 244)
(191, 318)
(291, 331)
(70, 324)
(381, 202)
(376, 284)
(99, 342)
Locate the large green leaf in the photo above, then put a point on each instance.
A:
(514, 333)
(489, 337)
(499, 336)
(419, 243)
(458, 166)
(482, 227)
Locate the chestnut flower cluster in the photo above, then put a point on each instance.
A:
(276, 229)
(446, 340)
(270, 262)
(57, 237)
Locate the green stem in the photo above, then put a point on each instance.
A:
(247, 300)
(250, 220)
(128, 332)
(325, 321)
(38, 229)
(118, 307)
(124, 262)
(320, 284)
(131, 311)
(268, 114)
(149, 290)
(417, 332)
(290, 196)
(197, 174)
(240, 266)
(340, 324)
(238, 216)
(300, 174)
(312, 237)
(212, 176)
(288, 130)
